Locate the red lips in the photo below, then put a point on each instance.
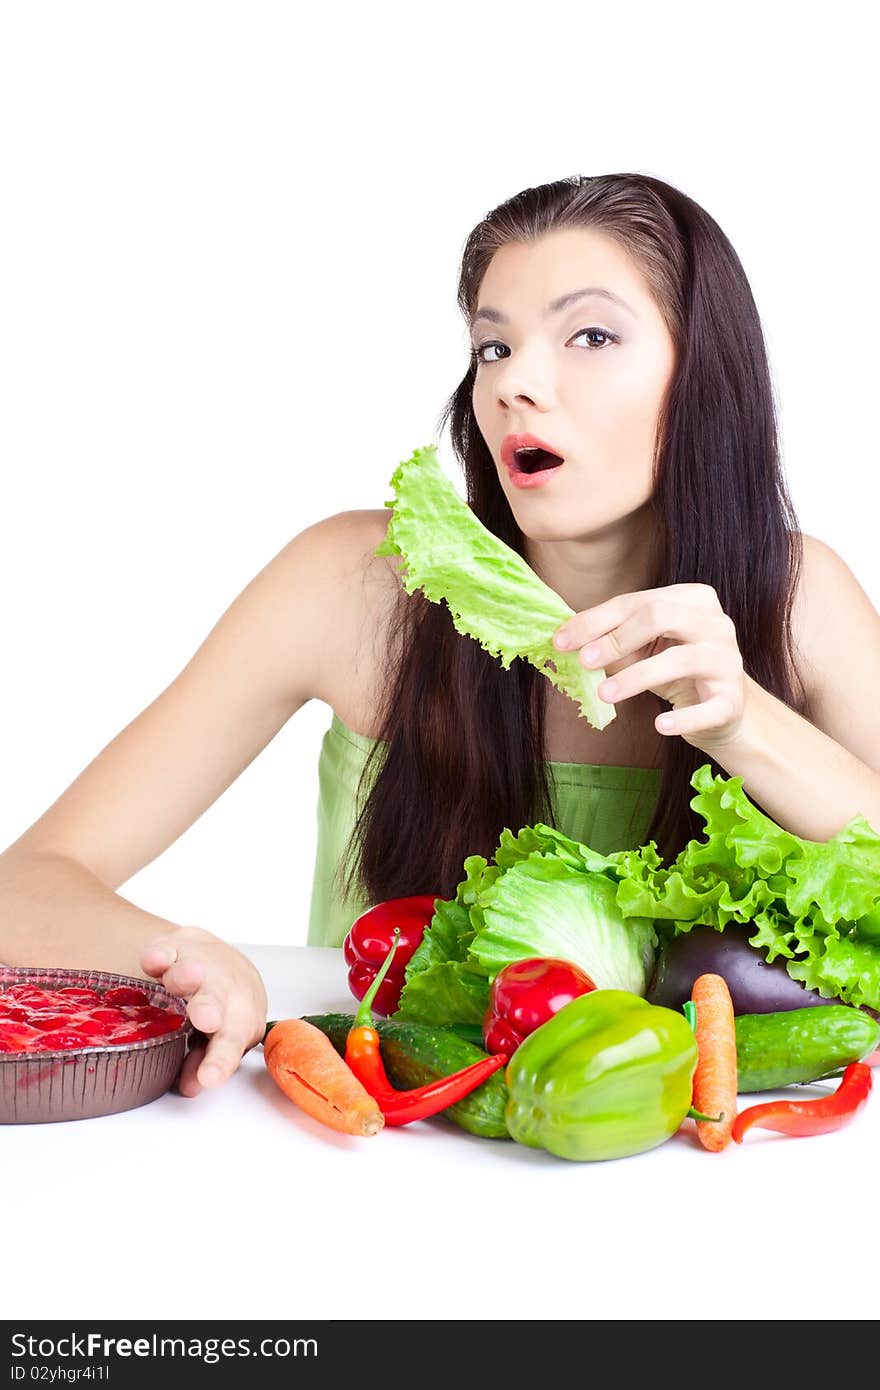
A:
(512, 442)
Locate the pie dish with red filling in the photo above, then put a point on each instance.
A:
(76, 1044)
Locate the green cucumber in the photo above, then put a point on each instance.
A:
(416, 1053)
(799, 1045)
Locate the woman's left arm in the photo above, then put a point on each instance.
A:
(811, 778)
(806, 781)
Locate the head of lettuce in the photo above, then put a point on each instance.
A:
(544, 895)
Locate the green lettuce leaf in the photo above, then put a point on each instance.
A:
(450, 931)
(447, 992)
(446, 937)
(840, 874)
(841, 967)
(542, 906)
(442, 983)
(491, 592)
(545, 840)
(827, 881)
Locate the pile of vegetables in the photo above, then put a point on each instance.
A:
(553, 1002)
(587, 1073)
(620, 995)
(568, 976)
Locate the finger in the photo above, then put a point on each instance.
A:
(184, 977)
(655, 620)
(645, 629)
(229, 1043)
(714, 714)
(591, 623)
(187, 1083)
(205, 1011)
(224, 1053)
(692, 660)
(157, 956)
(594, 623)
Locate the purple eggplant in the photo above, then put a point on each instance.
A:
(755, 987)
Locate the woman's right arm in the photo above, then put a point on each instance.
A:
(265, 657)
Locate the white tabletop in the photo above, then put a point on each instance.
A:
(235, 1204)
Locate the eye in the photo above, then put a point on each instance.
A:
(602, 332)
(478, 359)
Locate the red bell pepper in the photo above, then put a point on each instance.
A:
(370, 938)
(525, 994)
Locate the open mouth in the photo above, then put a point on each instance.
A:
(536, 460)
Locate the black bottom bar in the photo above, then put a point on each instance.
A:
(397, 1355)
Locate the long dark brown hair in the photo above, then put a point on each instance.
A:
(460, 750)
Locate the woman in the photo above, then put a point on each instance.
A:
(612, 321)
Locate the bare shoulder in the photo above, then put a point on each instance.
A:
(365, 590)
(836, 629)
(824, 577)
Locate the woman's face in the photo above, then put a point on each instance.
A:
(588, 380)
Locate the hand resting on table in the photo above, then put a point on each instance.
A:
(226, 1000)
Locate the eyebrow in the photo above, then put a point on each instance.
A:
(557, 305)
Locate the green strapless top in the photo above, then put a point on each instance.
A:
(607, 808)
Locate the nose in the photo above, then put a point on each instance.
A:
(518, 380)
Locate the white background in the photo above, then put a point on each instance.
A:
(229, 248)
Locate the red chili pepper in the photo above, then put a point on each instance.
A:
(525, 994)
(811, 1116)
(400, 1107)
(366, 946)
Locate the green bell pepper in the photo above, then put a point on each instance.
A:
(607, 1076)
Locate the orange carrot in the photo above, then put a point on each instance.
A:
(715, 1080)
(305, 1064)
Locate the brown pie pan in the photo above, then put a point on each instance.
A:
(83, 1082)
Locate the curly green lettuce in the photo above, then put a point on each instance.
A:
(493, 595)
(814, 903)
